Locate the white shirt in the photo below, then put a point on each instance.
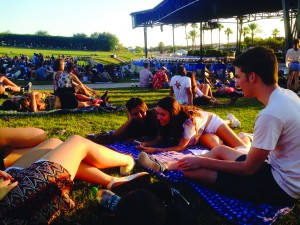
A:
(277, 128)
(292, 56)
(179, 84)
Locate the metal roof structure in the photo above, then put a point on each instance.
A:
(175, 12)
(192, 11)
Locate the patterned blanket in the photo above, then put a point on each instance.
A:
(235, 210)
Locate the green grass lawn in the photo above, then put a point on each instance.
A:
(62, 126)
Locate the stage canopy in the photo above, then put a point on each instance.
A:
(193, 11)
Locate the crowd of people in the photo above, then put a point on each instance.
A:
(41, 68)
(68, 90)
(262, 167)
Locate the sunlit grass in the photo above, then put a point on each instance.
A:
(62, 126)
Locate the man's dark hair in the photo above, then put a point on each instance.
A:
(181, 70)
(296, 41)
(134, 102)
(261, 61)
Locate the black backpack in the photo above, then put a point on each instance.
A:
(179, 209)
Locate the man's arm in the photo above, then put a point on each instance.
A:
(189, 95)
(121, 130)
(171, 92)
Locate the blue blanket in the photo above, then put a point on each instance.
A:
(236, 210)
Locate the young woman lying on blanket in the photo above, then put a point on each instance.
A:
(42, 101)
(185, 125)
(49, 169)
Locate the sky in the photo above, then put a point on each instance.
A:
(68, 17)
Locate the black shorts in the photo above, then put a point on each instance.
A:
(201, 101)
(260, 187)
(67, 98)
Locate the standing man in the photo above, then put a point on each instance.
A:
(146, 76)
(180, 85)
(292, 61)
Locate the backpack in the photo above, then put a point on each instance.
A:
(178, 209)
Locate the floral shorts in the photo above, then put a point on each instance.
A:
(42, 192)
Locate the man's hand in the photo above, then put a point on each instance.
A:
(189, 163)
(149, 150)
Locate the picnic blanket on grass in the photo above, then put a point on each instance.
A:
(89, 109)
(235, 210)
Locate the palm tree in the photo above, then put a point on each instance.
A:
(193, 34)
(255, 28)
(194, 26)
(220, 27)
(275, 33)
(186, 36)
(228, 31)
(245, 31)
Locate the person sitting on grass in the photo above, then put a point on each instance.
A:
(202, 94)
(66, 91)
(270, 171)
(181, 126)
(79, 87)
(36, 187)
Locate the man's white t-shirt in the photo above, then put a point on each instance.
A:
(179, 84)
(277, 128)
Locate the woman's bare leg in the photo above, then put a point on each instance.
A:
(77, 149)
(85, 172)
(296, 76)
(12, 138)
(34, 154)
(210, 140)
(229, 137)
(290, 79)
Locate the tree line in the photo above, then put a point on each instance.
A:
(97, 42)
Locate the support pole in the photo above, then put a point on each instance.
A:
(201, 47)
(287, 26)
(298, 20)
(173, 28)
(145, 42)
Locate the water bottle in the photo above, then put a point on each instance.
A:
(106, 198)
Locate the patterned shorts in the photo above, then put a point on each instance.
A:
(50, 102)
(42, 192)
